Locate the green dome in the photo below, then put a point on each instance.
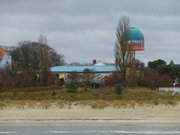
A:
(135, 34)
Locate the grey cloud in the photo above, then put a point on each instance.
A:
(85, 29)
(75, 7)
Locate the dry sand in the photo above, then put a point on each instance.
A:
(145, 114)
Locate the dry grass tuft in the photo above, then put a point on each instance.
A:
(96, 98)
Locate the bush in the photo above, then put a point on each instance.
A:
(112, 80)
(54, 93)
(154, 79)
(118, 89)
(71, 87)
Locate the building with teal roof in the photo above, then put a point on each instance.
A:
(99, 72)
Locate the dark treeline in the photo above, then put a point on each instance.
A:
(156, 74)
(171, 69)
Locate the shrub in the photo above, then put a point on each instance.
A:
(171, 102)
(71, 87)
(2, 105)
(156, 102)
(112, 80)
(54, 93)
(118, 89)
(154, 79)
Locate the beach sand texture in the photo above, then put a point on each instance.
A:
(159, 113)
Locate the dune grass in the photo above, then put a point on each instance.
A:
(96, 98)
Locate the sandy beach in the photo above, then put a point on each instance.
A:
(145, 114)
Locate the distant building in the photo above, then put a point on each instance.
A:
(5, 57)
(99, 71)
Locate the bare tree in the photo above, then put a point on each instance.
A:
(34, 58)
(42, 39)
(25, 57)
(121, 52)
(43, 59)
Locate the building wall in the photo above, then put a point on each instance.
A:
(6, 61)
(80, 77)
(172, 89)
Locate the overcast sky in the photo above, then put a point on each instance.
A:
(83, 30)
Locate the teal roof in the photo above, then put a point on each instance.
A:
(80, 69)
(135, 34)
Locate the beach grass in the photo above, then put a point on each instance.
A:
(45, 97)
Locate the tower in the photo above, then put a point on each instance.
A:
(135, 42)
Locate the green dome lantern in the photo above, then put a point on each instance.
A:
(135, 34)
